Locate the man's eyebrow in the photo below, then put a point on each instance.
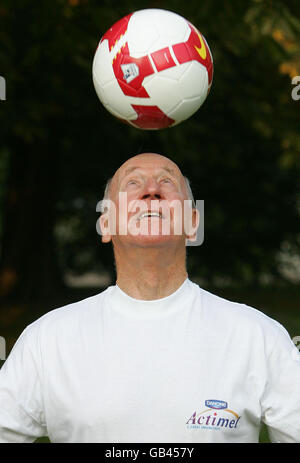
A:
(168, 169)
(129, 170)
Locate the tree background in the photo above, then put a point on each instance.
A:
(58, 146)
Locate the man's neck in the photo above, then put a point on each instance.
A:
(149, 274)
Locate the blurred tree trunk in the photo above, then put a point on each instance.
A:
(28, 267)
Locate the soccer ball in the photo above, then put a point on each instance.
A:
(152, 69)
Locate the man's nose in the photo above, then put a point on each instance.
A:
(151, 190)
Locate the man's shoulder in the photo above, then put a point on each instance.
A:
(238, 315)
(243, 324)
(71, 314)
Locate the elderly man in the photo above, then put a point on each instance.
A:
(154, 358)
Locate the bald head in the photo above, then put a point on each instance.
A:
(146, 160)
(141, 182)
(139, 161)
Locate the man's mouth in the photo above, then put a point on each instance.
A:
(150, 214)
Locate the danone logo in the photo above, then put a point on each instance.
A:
(217, 404)
(215, 417)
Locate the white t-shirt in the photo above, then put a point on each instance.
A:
(191, 367)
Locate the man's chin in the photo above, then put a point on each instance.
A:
(149, 240)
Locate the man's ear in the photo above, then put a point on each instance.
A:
(193, 225)
(104, 227)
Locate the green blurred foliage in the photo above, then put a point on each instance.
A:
(58, 144)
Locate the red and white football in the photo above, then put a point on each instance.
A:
(152, 69)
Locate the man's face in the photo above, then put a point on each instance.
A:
(148, 193)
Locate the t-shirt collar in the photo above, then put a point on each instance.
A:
(138, 308)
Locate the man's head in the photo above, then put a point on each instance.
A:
(149, 200)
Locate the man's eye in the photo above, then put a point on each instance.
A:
(166, 180)
(132, 182)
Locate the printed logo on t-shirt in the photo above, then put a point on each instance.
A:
(215, 417)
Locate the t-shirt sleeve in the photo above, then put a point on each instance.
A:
(21, 409)
(281, 398)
